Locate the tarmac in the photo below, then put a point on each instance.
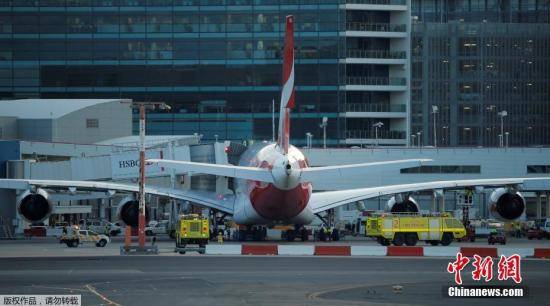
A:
(254, 280)
(49, 246)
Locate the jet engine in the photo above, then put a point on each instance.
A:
(505, 204)
(400, 203)
(34, 206)
(128, 211)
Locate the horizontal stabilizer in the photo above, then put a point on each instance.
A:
(247, 173)
(315, 174)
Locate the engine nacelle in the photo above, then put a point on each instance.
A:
(128, 211)
(398, 203)
(506, 205)
(34, 206)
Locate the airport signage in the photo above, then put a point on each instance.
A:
(125, 165)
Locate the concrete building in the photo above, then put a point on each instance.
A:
(473, 60)
(84, 121)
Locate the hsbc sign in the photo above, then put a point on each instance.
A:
(126, 165)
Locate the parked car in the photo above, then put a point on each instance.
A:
(156, 227)
(101, 226)
(497, 237)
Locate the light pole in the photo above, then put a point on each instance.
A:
(216, 136)
(435, 110)
(142, 106)
(323, 125)
(376, 126)
(507, 134)
(308, 140)
(502, 114)
(418, 134)
(413, 136)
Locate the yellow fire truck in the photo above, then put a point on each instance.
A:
(407, 229)
(192, 229)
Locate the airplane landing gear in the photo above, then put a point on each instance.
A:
(253, 233)
(299, 231)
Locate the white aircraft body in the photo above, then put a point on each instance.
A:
(274, 182)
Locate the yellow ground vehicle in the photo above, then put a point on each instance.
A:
(407, 229)
(192, 229)
(73, 237)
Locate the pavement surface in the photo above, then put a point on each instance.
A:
(49, 246)
(254, 280)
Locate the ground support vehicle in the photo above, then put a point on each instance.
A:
(409, 228)
(497, 236)
(192, 229)
(73, 237)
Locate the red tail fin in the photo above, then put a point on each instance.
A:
(287, 94)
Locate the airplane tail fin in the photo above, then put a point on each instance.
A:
(287, 94)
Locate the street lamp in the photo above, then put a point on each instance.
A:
(413, 136)
(507, 134)
(418, 134)
(323, 125)
(308, 140)
(376, 126)
(435, 110)
(502, 114)
(216, 136)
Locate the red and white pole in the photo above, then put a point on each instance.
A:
(141, 220)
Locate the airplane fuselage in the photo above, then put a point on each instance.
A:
(284, 201)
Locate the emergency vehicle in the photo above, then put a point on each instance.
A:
(192, 229)
(74, 236)
(409, 228)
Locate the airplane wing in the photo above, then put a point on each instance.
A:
(321, 201)
(314, 174)
(264, 175)
(208, 199)
(247, 173)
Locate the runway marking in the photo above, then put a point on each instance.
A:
(101, 296)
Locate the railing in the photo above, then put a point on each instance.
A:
(377, 27)
(358, 53)
(389, 2)
(375, 107)
(371, 134)
(377, 81)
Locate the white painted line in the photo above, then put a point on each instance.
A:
(441, 251)
(523, 252)
(369, 250)
(284, 249)
(223, 249)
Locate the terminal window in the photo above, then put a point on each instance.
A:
(442, 169)
(538, 168)
(92, 123)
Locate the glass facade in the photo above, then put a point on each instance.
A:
(474, 59)
(216, 62)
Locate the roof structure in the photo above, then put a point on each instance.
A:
(46, 108)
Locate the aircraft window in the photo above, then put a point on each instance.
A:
(442, 169)
(538, 168)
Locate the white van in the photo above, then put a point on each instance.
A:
(101, 226)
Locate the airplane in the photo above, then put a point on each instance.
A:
(273, 180)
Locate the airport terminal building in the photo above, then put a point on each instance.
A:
(218, 63)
